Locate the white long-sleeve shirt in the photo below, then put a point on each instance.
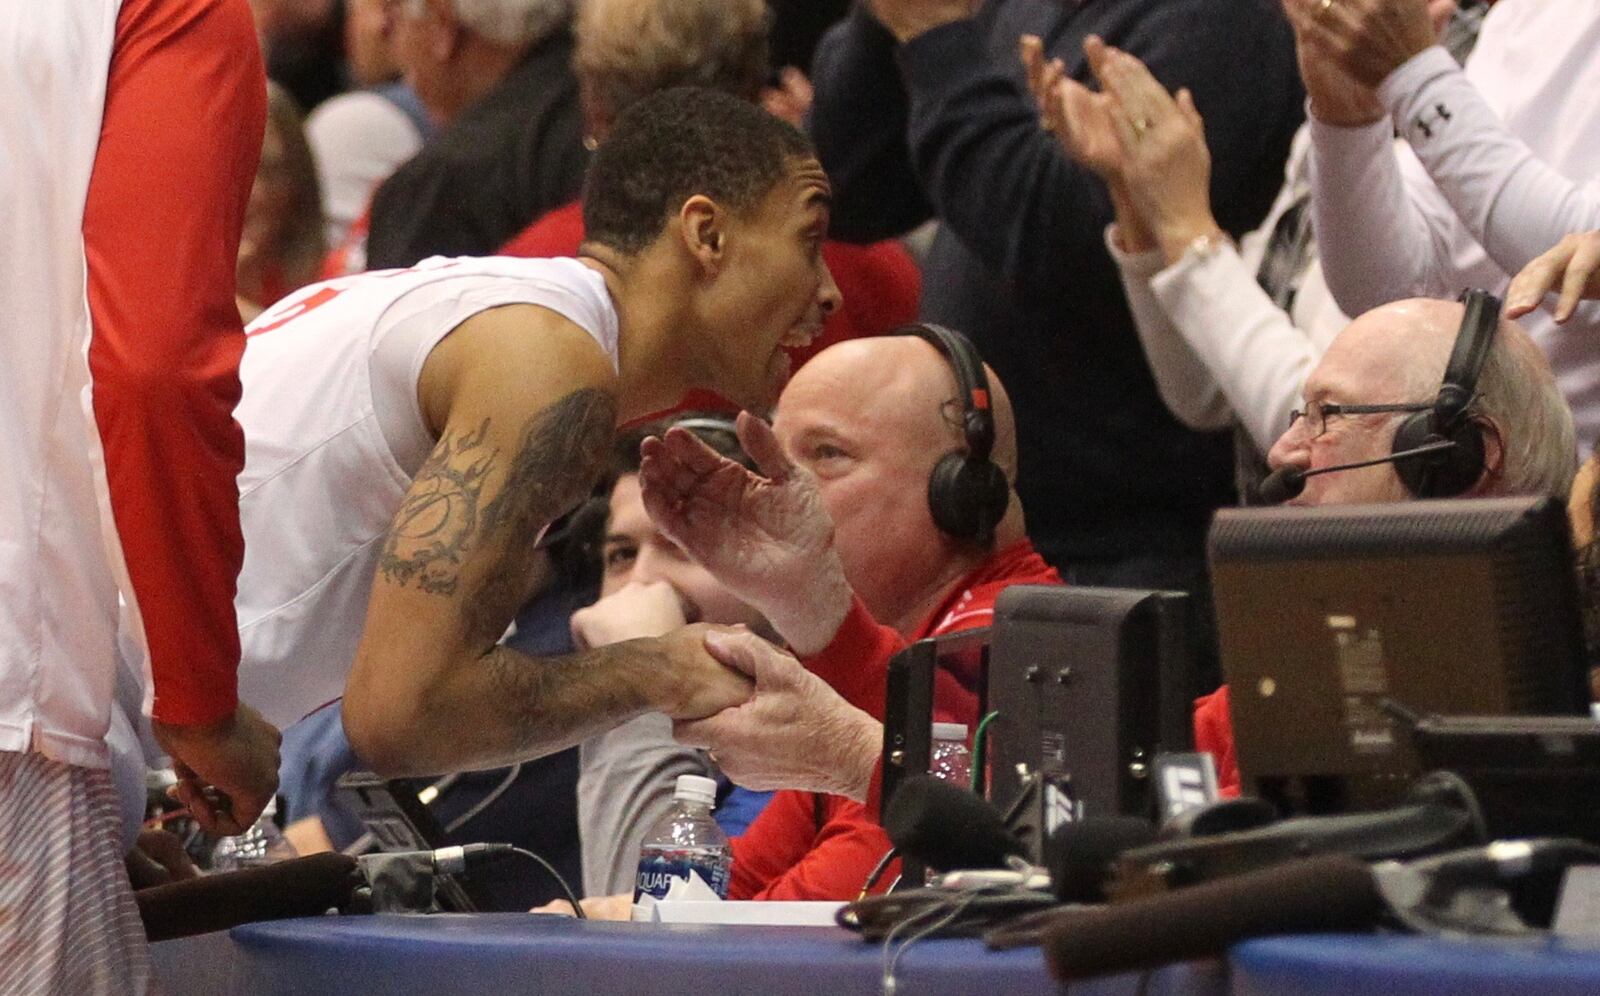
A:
(1218, 346)
(1498, 169)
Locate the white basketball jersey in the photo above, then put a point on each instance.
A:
(322, 481)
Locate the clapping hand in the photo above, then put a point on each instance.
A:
(765, 536)
(1081, 120)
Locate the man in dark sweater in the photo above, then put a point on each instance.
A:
(922, 111)
(498, 78)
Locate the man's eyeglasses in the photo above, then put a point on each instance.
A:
(1317, 413)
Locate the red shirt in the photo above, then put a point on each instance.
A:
(809, 846)
(880, 283)
(1213, 731)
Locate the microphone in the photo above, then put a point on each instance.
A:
(307, 886)
(1082, 855)
(947, 827)
(1286, 483)
(1334, 892)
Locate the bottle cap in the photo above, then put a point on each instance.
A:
(695, 788)
(950, 731)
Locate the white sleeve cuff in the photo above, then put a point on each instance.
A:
(1138, 265)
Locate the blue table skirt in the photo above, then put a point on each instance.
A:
(1404, 965)
(515, 953)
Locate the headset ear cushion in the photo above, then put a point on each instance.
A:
(967, 497)
(1441, 475)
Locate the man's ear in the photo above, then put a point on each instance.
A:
(1494, 456)
(702, 225)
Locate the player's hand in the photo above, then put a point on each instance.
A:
(693, 683)
(227, 772)
(637, 609)
(765, 536)
(1574, 264)
(795, 732)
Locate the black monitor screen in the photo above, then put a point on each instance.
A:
(1327, 616)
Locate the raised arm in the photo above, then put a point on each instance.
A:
(524, 405)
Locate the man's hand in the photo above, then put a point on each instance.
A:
(795, 732)
(694, 683)
(768, 539)
(1371, 38)
(1337, 98)
(1574, 263)
(639, 608)
(227, 772)
(906, 19)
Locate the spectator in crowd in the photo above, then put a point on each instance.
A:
(649, 587)
(412, 434)
(796, 732)
(836, 542)
(496, 77)
(1495, 155)
(629, 49)
(121, 346)
(282, 244)
(360, 138)
(922, 111)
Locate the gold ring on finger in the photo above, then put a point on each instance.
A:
(1142, 125)
(1323, 6)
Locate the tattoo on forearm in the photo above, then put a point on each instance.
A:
(439, 518)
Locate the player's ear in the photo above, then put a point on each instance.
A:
(702, 226)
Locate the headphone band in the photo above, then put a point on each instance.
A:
(977, 414)
(1471, 351)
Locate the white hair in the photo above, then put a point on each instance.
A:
(513, 22)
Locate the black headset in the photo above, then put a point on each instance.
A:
(967, 492)
(1454, 470)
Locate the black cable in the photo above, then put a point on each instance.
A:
(572, 897)
(486, 801)
(877, 872)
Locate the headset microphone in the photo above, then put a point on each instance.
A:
(1286, 483)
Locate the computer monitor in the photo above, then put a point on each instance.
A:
(1326, 616)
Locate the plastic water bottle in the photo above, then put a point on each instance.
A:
(686, 840)
(262, 844)
(950, 760)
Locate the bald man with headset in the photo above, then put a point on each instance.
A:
(883, 512)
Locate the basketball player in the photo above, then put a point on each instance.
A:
(411, 433)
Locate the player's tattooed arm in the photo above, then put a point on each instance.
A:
(440, 514)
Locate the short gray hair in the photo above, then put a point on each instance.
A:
(630, 49)
(513, 22)
(1519, 394)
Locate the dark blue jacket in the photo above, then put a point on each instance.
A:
(944, 127)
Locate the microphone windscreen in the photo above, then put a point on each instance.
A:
(1282, 485)
(947, 827)
(307, 886)
(1080, 855)
(1334, 892)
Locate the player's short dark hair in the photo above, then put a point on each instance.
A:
(673, 145)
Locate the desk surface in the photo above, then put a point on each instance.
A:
(1406, 965)
(517, 953)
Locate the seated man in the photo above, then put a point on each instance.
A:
(648, 587)
(795, 732)
(411, 434)
(839, 547)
